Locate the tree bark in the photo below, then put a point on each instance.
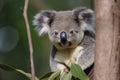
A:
(107, 54)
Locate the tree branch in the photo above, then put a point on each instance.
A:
(29, 39)
(107, 56)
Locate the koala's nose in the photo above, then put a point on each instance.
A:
(63, 37)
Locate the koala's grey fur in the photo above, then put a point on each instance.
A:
(78, 25)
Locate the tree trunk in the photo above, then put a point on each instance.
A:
(107, 54)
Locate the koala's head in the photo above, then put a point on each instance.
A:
(65, 29)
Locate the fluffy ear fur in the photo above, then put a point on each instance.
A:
(86, 18)
(42, 21)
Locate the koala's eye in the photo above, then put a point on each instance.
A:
(74, 31)
(77, 31)
(56, 33)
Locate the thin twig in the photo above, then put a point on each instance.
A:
(29, 39)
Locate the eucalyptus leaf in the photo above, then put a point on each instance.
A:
(9, 68)
(54, 75)
(6, 67)
(77, 71)
(46, 75)
(25, 74)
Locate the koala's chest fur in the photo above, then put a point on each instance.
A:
(68, 56)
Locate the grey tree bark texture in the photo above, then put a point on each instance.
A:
(107, 54)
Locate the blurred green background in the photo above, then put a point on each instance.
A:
(14, 48)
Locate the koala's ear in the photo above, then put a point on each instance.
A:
(42, 21)
(85, 17)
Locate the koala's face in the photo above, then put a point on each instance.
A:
(65, 28)
(65, 31)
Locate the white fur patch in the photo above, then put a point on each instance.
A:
(36, 19)
(90, 11)
(60, 67)
(44, 29)
(77, 51)
(41, 27)
(88, 27)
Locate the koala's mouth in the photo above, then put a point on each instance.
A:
(65, 44)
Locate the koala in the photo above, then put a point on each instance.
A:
(72, 35)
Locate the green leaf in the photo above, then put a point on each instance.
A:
(77, 71)
(6, 67)
(46, 75)
(66, 76)
(25, 74)
(9, 68)
(54, 75)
